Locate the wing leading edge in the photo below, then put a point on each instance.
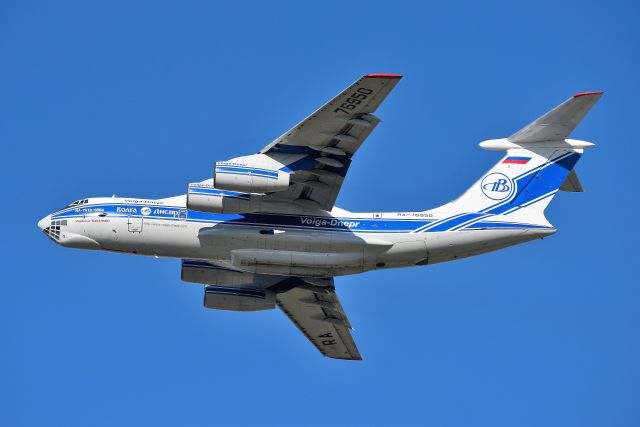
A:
(361, 98)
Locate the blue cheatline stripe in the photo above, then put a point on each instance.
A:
(209, 191)
(246, 173)
(435, 223)
(247, 169)
(299, 222)
(266, 173)
(284, 221)
(455, 221)
(232, 196)
(472, 220)
(231, 290)
(317, 223)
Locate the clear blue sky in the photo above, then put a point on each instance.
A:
(140, 98)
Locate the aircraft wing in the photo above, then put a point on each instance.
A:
(314, 309)
(317, 312)
(326, 141)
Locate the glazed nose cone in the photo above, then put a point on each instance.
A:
(44, 222)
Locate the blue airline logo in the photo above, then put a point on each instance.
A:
(497, 186)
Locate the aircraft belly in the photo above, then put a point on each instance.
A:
(244, 237)
(448, 246)
(411, 249)
(314, 253)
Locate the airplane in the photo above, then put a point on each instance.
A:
(264, 231)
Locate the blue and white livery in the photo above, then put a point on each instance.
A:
(265, 231)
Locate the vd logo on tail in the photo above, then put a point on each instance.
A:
(497, 186)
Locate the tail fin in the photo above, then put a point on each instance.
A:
(539, 159)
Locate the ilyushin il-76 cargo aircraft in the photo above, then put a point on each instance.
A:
(265, 231)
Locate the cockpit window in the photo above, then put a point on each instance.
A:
(72, 204)
(79, 202)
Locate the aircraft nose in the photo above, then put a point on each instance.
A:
(44, 222)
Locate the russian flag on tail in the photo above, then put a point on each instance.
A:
(515, 160)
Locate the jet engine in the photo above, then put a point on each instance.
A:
(206, 198)
(251, 174)
(239, 184)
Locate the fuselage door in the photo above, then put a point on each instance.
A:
(134, 223)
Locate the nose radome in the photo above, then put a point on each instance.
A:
(44, 222)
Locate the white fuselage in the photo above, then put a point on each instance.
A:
(300, 243)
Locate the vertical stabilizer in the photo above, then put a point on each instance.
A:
(539, 159)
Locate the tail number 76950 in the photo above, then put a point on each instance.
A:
(353, 100)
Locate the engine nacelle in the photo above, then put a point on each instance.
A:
(206, 198)
(251, 174)
(237, 298)
(228, 289)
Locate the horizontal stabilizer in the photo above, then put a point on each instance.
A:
(557, 124)
(572, 183)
